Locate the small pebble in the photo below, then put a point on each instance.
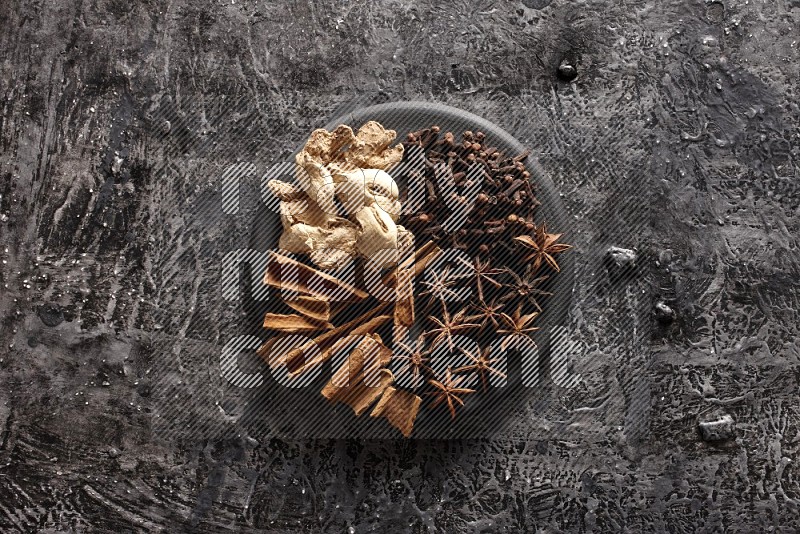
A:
(664, 314)
(622, 256)
(50, 314)
(720, 429)
(536, 4)
(567, 71)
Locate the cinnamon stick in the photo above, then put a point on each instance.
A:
(361, 379)
(399, 407)
(404, 306)
(422, 257)
(305, 275)
(294, 360)
(312, 307)
(293, 323)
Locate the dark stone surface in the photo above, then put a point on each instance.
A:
(712, 89)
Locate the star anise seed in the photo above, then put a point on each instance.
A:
(439, 287)
(487, 313)
(481, 364)
(482, 272)
(417, 357)
(449, 325)
(448, 392)
(543, 247)
(517, 327)
(524, 288)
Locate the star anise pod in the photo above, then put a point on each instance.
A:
(482, 272)
(417, 357)
(517, 327)
(487, 313)
(524, 288)
(449, 325)
(543, 247)
(448, 391)
(439, 287)
(481, 364)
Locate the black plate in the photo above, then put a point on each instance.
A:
(485, 412)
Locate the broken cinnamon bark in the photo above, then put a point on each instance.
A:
(361, 380)
(366, 359)
(312, 307)
(422, 257)
(296, 364)
(399, 407)
(293, 323)
(302, 279)
(295, 359)
(404, 305)
(360, 396)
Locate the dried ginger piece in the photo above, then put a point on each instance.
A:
(343, 150)
(309, 229)
(361, 380)
(371, 149)
(399, 407)
(378, 231)
(339, 164)
(286, 192)
(324, 147)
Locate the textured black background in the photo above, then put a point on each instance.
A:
(708, 90)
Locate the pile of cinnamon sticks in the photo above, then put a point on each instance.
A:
(363, 379)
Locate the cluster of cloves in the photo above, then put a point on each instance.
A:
(508, 255)
(503, 202)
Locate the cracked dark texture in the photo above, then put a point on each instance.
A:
(711, 87)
